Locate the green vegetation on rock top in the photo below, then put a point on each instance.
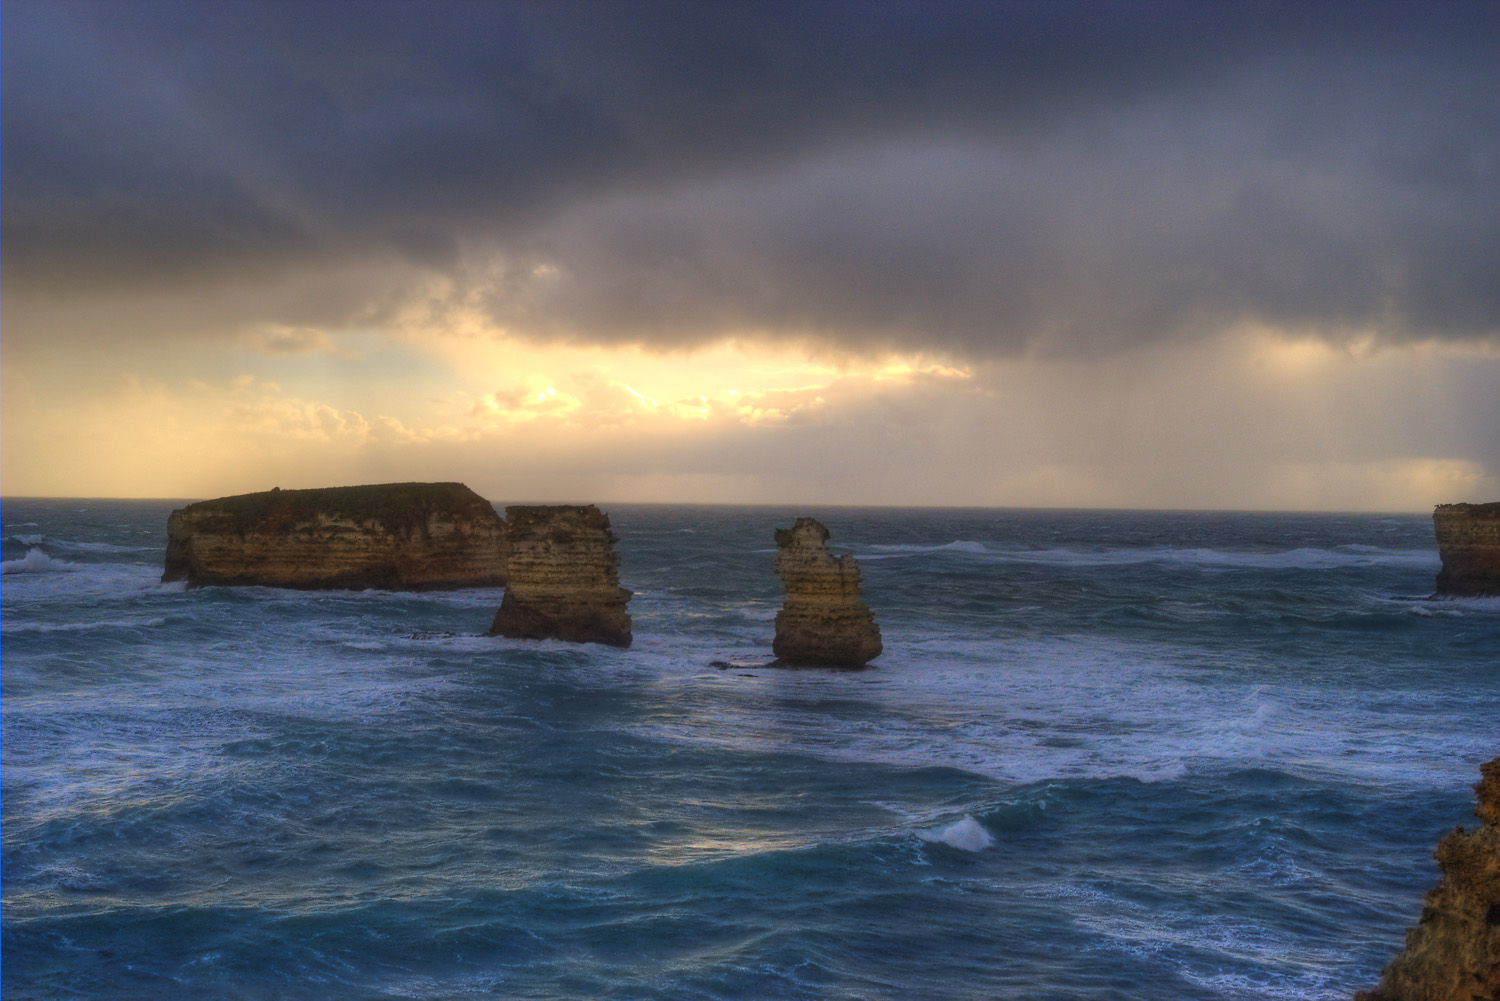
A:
(399, 507)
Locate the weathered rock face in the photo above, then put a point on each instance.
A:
(1453, 954)
(823, 622)
(564, 577)
(1468, 537)
(400, 536)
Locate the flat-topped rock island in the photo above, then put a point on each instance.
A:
(395, 536)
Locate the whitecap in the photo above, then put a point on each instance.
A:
(35, 561)
(1455, 604)
(1288, 559)
(904, 549)
(98, 547)
(26, 540)
(1223, 559)
(967, 835)
(76, 627)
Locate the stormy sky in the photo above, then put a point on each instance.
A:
(1236, 255)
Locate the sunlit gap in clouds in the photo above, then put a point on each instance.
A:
(737, 382)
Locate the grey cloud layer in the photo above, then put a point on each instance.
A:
(978, 178)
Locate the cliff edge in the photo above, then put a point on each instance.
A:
(396, 536)
(1468, 538)
(564, 577)
(823, 622)
(1453, 954)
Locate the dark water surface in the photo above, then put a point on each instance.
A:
(1105, 755)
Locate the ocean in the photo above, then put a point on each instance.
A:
(1105, 754)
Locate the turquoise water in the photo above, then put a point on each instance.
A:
(1105, 755)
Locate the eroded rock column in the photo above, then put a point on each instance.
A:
(564, 577)
(1453, 954)
(1468, 537)
(823, 622)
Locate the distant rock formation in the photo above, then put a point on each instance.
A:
(1453, 954)
(564, 577)
(398, 536)
(1468, 537)
(823, 622)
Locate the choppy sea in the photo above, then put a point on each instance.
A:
(1104, 755)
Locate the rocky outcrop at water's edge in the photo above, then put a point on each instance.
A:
(1468, 538)
(1453, 954)
(823, 622)
(564, 577)
(397, 536)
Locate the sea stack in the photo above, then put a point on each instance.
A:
(1453, 954)
(1468, 538)
(564, 577)
(823, 622)
(396, 536)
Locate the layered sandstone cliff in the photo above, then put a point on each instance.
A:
(823, 621)
(399, 536)
(1468, 537)
(564, 577)
(1453, 954)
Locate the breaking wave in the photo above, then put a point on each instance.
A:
(35, 561)
(967, 835)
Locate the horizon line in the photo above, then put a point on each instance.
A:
(6, 498)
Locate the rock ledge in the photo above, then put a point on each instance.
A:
(1453, 954)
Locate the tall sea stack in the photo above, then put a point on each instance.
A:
(1468, 538)
(564, 577)
(823, 622)
(1453, 954)
(396, 536)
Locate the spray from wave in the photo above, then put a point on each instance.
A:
(35, 561)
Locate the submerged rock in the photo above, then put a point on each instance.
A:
(1453, 954)
(1468, 537)
(823, 622)
(564, 577)
(399, 536)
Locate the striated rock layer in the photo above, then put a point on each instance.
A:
(1453, 954)
(1468, 537)
(564, 577)
(400, 536)
(823, 621)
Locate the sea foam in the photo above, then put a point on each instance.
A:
(35, 561)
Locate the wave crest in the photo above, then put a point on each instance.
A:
(35, 561)
(967, 835)
(1286, 559)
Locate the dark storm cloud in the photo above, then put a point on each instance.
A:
(978, 177)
